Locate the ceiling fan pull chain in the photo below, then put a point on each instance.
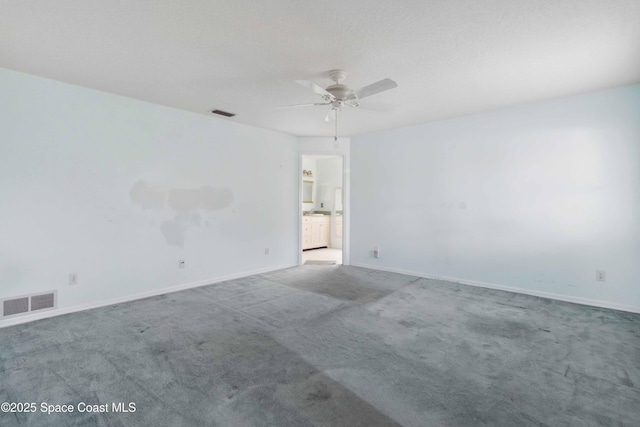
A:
(335, 138)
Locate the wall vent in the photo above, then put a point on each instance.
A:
(15, 306)
(25, 304)
(39, 302)
(223, 113)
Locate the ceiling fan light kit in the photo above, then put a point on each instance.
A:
(338, 95)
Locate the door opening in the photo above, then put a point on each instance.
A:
(322, 209)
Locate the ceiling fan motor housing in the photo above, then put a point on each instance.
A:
(340, 91)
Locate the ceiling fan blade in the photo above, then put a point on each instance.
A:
(377, 87)
(331, 115)
(303, 105)
(383, 108)
(314, 87)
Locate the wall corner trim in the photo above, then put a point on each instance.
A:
(134, 297)
(548, 295)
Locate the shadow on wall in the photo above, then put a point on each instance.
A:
(188, 204)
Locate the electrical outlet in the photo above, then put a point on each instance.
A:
(600, 275)
(180, 263)
(266, 251)
(73, 278)
(376, 252)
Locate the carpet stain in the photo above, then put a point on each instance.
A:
(324, 401)
(320, 393)
(352, 293)
(407, 323)
(502, 328)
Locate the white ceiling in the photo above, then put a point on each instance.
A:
(449, 57)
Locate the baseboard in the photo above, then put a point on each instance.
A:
(142, 295)
(549, 295)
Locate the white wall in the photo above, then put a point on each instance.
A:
(329, 178)
(326, 176)
(117, 190)
(536, 197)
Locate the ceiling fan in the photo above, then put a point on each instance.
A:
(338, 95)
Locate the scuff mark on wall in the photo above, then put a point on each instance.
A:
(188, 205)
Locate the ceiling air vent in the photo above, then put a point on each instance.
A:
(223, 113)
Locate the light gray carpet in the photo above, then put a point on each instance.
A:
(319, 262)
(330, 346)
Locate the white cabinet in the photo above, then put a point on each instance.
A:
(338, 222)
(316, 231)
(320, 235)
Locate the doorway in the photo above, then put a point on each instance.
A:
(322, 209)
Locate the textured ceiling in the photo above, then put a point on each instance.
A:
(449, 57)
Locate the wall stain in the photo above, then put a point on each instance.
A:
(187, 204)
(147, 196)
(173, 232)
(195, 219)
